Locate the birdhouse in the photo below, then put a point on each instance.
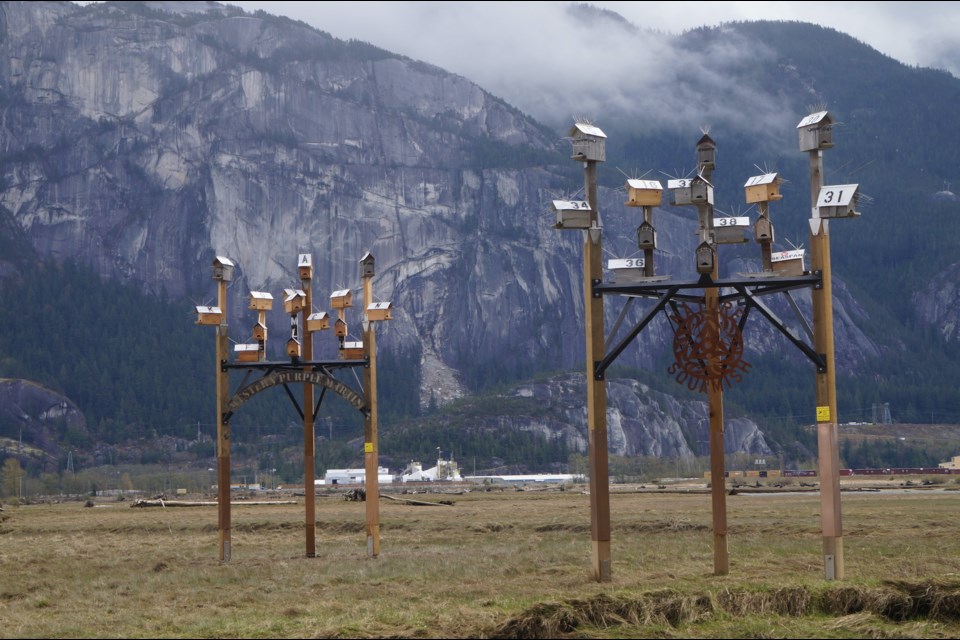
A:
(706, 258)
(341, 299)
(223, 269)
(293, 348)
(367, 265)
(318, 321)
(589, 143)
(765, 188)
(261, 301)
(571, 214)
(305, 266)
(788, 263)
(340, 328)
(294, 300)
(730, 229)
(644, 193)
(691, 191)
(646, 236)
(352, 351)
(209, 315)
(380, 311)
(247, 352)
(763, 230)
(626, 270)
(260, 332)
(816, 131)
(839, 201)
(706, 153)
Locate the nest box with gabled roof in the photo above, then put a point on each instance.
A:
(305, 266)
(341, 299)
(589, 142)
(571, 214)
(209, 315)
(294, 300)
(839, 201)
(706, 153)
(706, 258)
(261, 301)
(379, 311)
(765, 188)
(223, 269)
(763, 230)
(644, 193)
(247, 352)
(691, 191)
(340, 328)
(367, 265)
(352, 351)
(646, 236)
(293, 348)
(259, 331)
(816, 131)
(318, 321)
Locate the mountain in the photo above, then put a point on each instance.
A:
(140, 140)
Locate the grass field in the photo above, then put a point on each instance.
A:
(495, 564)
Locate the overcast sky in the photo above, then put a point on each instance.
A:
(539, 58)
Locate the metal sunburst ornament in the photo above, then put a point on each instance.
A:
(708, 351)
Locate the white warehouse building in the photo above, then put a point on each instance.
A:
(352, 476)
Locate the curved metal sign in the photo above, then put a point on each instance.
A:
(284, 377)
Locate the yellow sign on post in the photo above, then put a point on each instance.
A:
(823, 414)
(368, 447)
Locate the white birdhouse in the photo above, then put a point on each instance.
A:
(223, 269)
(294, 300)
(816, 131)
(571, 214)
(589, 143)
(261, 301)
(341, 299)
(839, 201)
(305, 266)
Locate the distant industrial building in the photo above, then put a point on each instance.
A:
(352, 476)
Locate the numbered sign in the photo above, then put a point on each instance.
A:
(840, 195)
(567, 205)
(625, 263)
(730, 221)
(682, 183)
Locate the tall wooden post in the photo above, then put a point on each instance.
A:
(309, 437)
(648, 270)
(223, 427)
(371, 457)
(828, 449)
(596, 389)
(718, 493)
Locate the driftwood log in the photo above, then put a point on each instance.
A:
(420, 503)
(202, 503)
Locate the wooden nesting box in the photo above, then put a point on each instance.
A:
(247, 352)
(380, 311)
(706, 258)
(294, 300)
(788, 263)
(367, 266)
(589, 143)
(352, 351)
(260, 332)
(706, 153)
(839, 201)
(209, 315)
(765, 188)
(571, 214)
(644, 193)
(341, 299)
(626, 270)
(223, 269)
(763, 230)
(305, 266)
(730, 230)
(816, 131)
(340, 328)
(646, 236)
(691, 191)
(318, 321)
(261, 301)
(293, 348)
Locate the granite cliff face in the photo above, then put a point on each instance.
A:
(144, 139)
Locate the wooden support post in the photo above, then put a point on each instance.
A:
(828, 450)
(766, 247)
(223, 429)
(371, 448)
(309, 435)
(596, 389)
(648, 253)
(718, 487)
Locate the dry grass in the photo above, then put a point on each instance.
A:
(506, 565)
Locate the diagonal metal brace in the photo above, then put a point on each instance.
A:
(817, 358)
(600, 368)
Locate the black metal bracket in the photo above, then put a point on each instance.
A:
(596, 282)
